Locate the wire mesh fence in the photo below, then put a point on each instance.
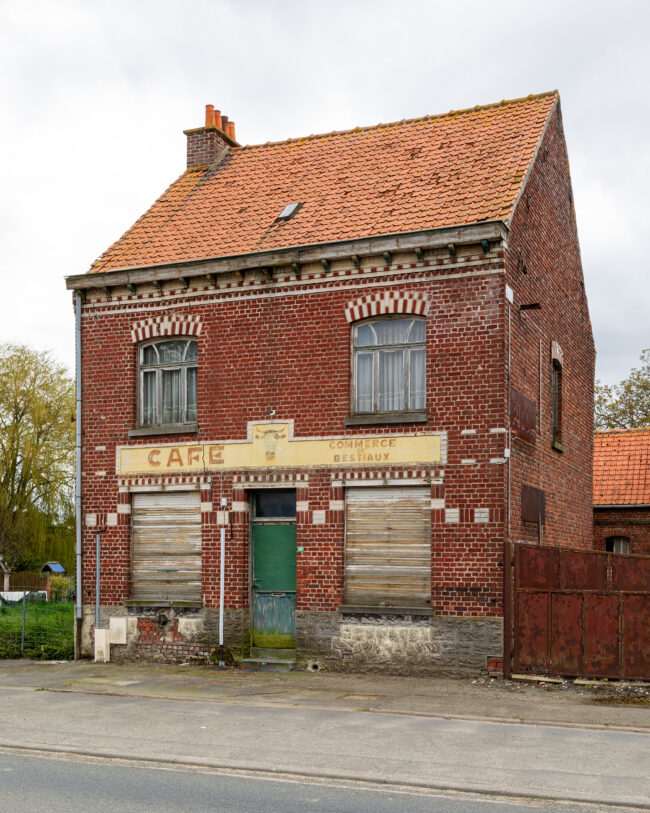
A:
(38, 622)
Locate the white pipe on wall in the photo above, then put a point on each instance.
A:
(222, 578)
(77, 469)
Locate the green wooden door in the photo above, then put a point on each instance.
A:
(274, 585)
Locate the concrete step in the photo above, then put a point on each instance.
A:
(272, 653)
(267, 664)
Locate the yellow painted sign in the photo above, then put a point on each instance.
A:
(272, 445)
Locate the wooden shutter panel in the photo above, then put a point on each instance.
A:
(166, 546)
(388, 546)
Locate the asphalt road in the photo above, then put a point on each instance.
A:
(264, 730)
(65, 785)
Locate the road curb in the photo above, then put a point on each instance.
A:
(269, 772)
(472, 718)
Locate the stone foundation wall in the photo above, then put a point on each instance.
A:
(392, 643)
(397, 644)
(170, 634)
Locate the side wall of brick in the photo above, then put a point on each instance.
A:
(543, 267)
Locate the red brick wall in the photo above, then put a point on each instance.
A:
(543, 266)
(631, 522)
(291, 354)
(285, 352)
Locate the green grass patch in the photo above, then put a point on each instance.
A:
(49, 631)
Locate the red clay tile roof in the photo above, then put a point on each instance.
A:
(432, 172)
(622, 467)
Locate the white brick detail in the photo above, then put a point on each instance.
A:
(124, 508)
(206, 507)
(481, 515)
(100, 448)
(318, 517)
(111, 520)
(468, 461)
(172, 324)
(497, 460)
(336, 505)
(497, 430)
(302, 506)
(239, 506)
(222, 517)
(468, 431)
(437, 504)
(100, 474)
(452, 515)
(387, 302)
(91, 520)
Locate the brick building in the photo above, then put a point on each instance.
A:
(363, 357)
(622, 491)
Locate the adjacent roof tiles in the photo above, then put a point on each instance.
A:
(433, 172)
(622, 467)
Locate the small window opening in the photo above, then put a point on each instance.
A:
(557, 405)
(617, 544)
(289, 211)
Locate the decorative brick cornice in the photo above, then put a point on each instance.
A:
(388, 302)
(167, 325)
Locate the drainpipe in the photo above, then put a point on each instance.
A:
(508, 417)
(77, 475)
(222, 579)
(98, 548)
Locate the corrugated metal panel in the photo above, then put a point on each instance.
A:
(166, 551)
(388, 546)
(569, 621)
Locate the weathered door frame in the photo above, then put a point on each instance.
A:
(254, 521)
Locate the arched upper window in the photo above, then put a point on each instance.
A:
(167, 382)
(389, 365)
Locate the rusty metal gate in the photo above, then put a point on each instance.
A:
(577, 613)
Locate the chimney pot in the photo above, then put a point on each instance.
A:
(209, 115)
(224, 124)
(231, 130)
(217, 119)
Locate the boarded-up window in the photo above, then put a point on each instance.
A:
(533, 505)
(523, 416)
(166, 546)
(388, 546)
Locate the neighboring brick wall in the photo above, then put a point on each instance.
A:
(543, 266)
(631, 522)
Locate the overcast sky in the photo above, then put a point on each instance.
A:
(94, 97)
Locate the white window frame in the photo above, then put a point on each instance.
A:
(158, 368)
(619, 544)
(376, 350)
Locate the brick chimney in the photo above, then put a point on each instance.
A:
(205, 144)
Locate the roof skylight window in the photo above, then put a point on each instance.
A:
(289, 211)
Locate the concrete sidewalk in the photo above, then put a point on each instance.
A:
(608, 705)
(587, 744)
